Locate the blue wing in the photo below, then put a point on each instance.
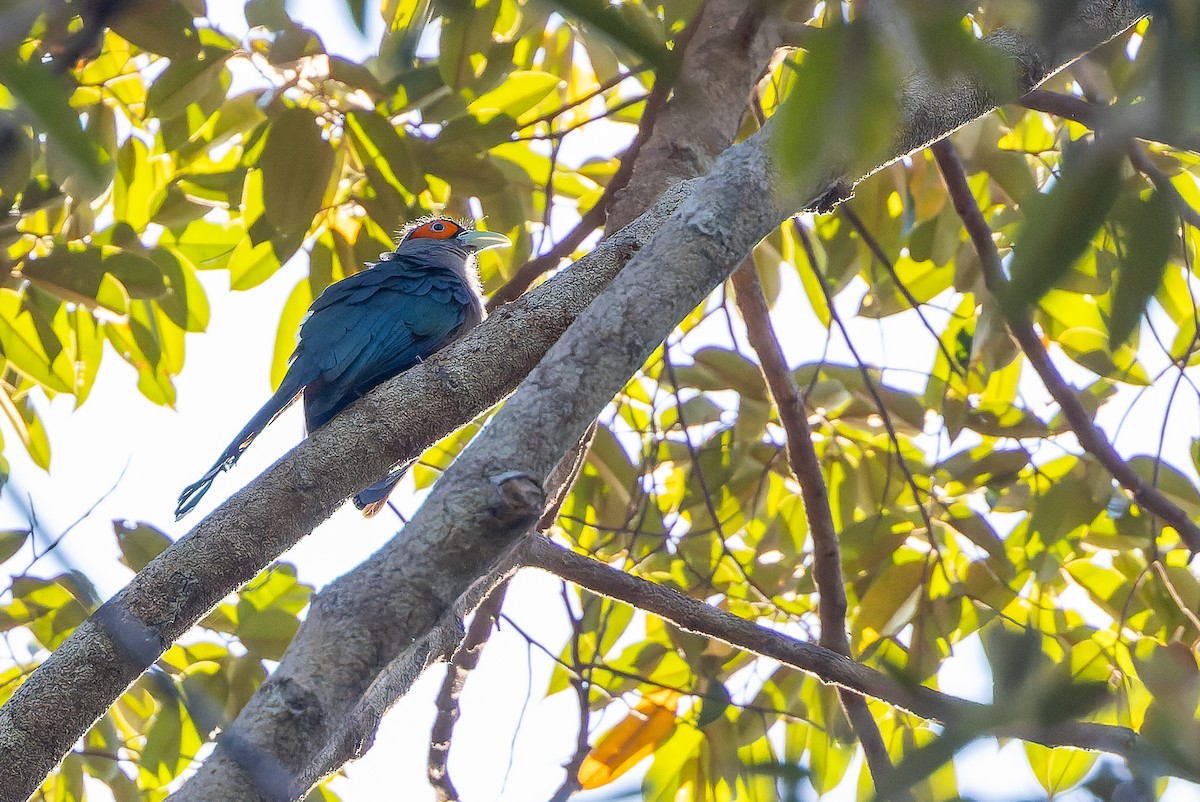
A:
(361, 332)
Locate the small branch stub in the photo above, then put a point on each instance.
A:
(521, 500)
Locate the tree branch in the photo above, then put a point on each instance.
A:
(694, 122)
(725, 50)
(529, 272)
(1090, 437)
(1136, 121)
(423, 571)
(825, 664)
(462, 663)
(806, 467)
(1162, 182)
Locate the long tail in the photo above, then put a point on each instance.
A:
(373, 499)
(285, 395)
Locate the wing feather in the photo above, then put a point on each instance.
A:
(372, 332)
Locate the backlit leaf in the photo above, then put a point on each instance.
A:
(291, 194)
(139, 543)
(47, 100)
(1060, 224)
(1151, 225)
(632, 740)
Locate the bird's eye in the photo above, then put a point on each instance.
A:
(438, 227)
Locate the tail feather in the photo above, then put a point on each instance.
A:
(374, 498)
(285, 395)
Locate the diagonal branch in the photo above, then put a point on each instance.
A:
(1140, 120)
(828, 666)
(1090, 437)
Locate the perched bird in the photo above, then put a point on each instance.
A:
(369, 327)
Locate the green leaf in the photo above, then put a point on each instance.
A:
(294, 310)
(250, 264)
(296, 163)
(49, 102)
(466, 33)
(621, 27)
(186, 81)
(97, 277)
(1151, 224)
(269, 14)
(268, 610)
(25, 350)
(171, 745)
(829, 760)
(185, 302)
(205, 244)
(521, 91)
(139, 543)
(237, 116)
(890, 601)
(357, 9)
(378, 144)
(29, 428)
(405, 21)
(840, 112)
(11, 541)
(924, 762)
(170, 30)
(1060, 224)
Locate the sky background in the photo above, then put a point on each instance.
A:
(130, 458)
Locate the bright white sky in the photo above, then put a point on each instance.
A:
(511, 741)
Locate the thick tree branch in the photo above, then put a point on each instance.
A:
(726, 52)
(692, 121)
(106, 653)
(261, 715)
(702, 243)
(1090, 437)
(806, 467)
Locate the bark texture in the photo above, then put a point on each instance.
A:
(692, 251)
(726, 54)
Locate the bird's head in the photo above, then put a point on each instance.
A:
(447, 232)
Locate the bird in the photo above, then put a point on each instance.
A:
(367, 328)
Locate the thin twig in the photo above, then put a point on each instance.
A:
(600, 89)
(882, 257)
(868, 382)
(594, 217)
(1101, 118)
(1140, 121)
(462, 663)
(1162, 182)
(806, 467)
(527, 273)
(1090, 437)
(558, 135)
(580, 681)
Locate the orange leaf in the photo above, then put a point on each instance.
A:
(646, 728)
